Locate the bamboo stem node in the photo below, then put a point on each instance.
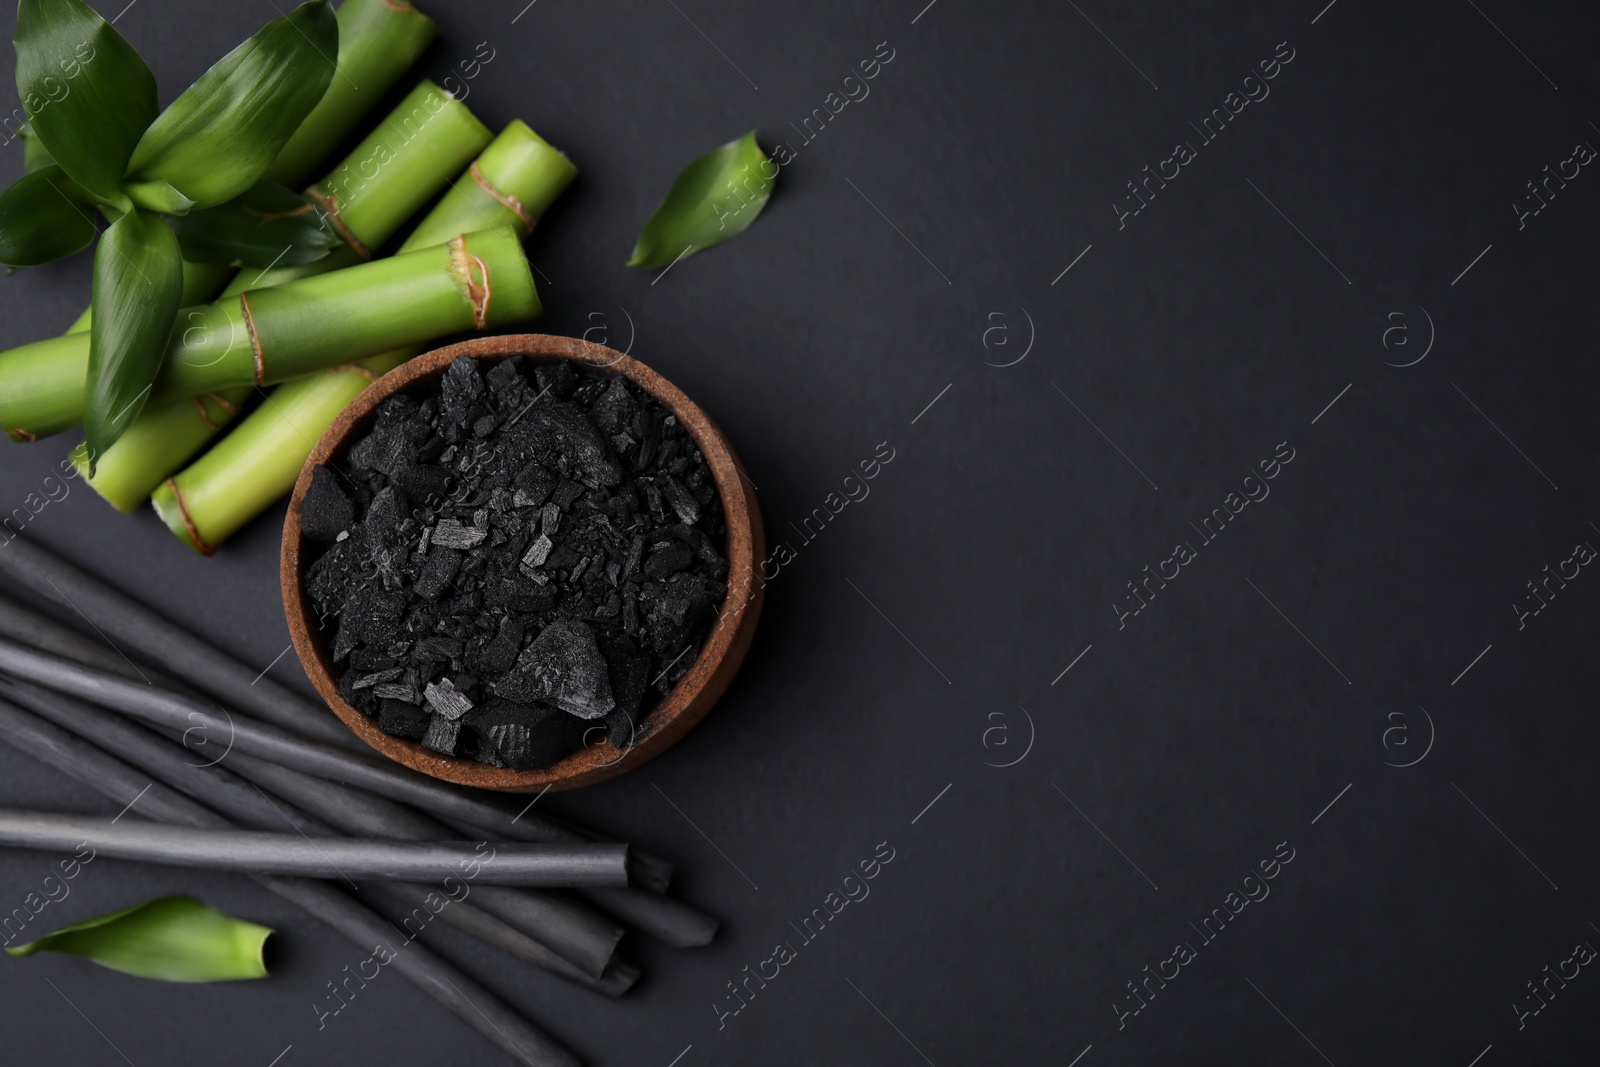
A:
(462, 262)
(255, 339)
(507, 200)
(195, 539)
(330, 205)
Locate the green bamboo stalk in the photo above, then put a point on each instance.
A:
(423, 142)
(379, 40)
(272, 335)
(243, 474)
(373, 193)
(179, 429)
(512, 184)
(508, 187)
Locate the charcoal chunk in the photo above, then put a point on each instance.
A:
(508, 387)
(443, 697)
(537, 552)
(371, 660)
(559, 379)
(367, 618)
(686, 506)
(563, 666)
(443, 735)
(622, 729)
(461, 394)
(520, 736)
(516, 593)
(437, 648)
(330, 580)
(501, 652)
(438, 571)
(391, 445)
(368, 680)
(326, 510)
(565, 494)
(426, 482)
(567, 430)
(615, 408)
(400, 719)
(534, 484)
(449, 533)
(668, 559)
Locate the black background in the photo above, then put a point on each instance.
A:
(920, 640)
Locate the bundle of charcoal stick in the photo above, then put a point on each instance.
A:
(249, 776)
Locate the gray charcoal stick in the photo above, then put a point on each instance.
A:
(529, 924)
(38, 631)
(141, 629)
(472, 1004)
(577, 933)
(176, 711)
(671, 922)
(668, 920)
(256, 852)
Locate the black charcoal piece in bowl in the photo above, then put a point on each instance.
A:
(516, 563)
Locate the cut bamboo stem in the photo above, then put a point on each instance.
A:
(474, 1005)
(159, 440)
(379, 40)
(412, 154)
(508, 187)
(253, 466)
(273, 335)
(203, 777)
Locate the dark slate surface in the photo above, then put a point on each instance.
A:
(944, 672)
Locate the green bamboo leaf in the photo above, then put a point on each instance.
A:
(715, 198)
(138, 284)
(45, 216)
(220, 136)
(158, 196)
(172, 939)
(35, 156)
(267, 226)
(88, 94)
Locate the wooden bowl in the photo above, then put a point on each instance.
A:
(693, 696)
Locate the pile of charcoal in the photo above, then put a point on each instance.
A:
(519, 565)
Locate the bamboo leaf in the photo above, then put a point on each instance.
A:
(45, 216)
(138, 283)
(35, 156)
(172, 939)
(158, 196)
(268, 226)
(716, 197)
(87, 93)
(220, 136)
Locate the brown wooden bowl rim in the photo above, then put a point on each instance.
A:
(712, 671)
